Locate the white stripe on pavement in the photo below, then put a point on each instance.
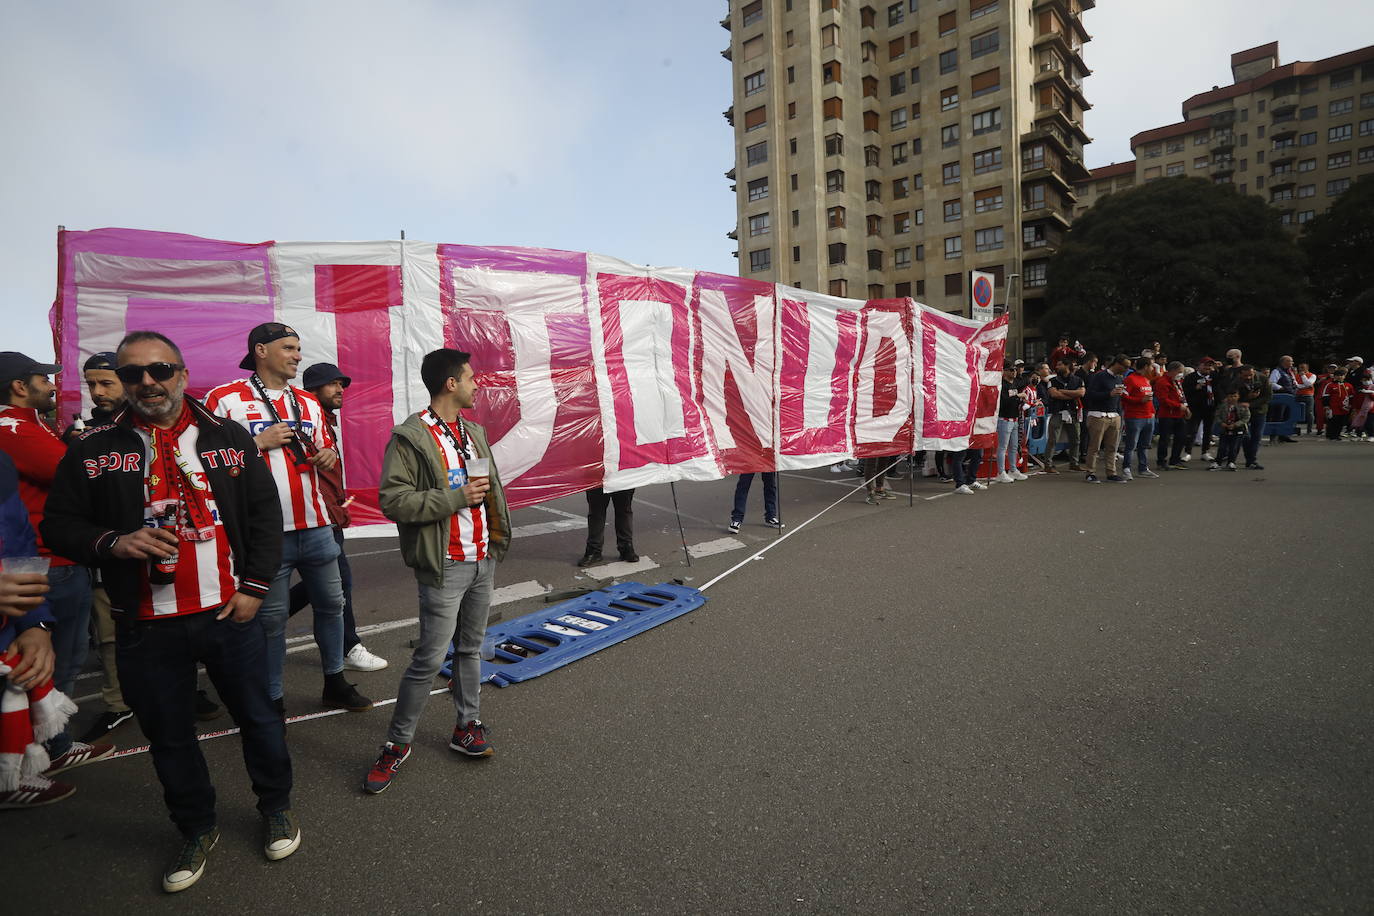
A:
(710, 548)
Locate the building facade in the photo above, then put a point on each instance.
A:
(887, 149)
(1296, 135)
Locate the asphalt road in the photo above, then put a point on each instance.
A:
(1047, 697)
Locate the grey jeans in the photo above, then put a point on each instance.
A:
(455, 613)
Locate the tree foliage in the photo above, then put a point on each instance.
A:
(1186, 262)
(1339, 246)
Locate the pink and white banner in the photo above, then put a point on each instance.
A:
(592, 371)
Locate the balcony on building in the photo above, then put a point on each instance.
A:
(1284, 132)
(1224, 118)
(733, 235)
(726, 54)
(1283, 155)
(1222, 167)
(730, 174)
(729, 115)
(725, 23)
(1222, 140)
(1282, 108)
(1040, 241)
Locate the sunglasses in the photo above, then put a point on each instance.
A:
(160, 372)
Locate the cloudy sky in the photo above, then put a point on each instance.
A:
(593, 126)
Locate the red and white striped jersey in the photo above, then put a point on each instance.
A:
(205, 577)
(467, 534)
(302, 502)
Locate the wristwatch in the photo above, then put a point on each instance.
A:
(44, 625)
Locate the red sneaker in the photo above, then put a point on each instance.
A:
(471, 739)
(34, 791)
(78, 755)
(386, 767)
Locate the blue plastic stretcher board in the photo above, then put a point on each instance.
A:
(547, 639)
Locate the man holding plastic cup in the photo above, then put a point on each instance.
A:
(440, 486)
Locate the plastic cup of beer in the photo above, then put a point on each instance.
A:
(479, 467)
(22, 566)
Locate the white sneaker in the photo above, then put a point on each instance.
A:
(1126, 473)
(1004, 477)
(978, 485)
(359, 659)
(1187, 457)
(1016, 474)
(1208, 456)
(1148, 473)
(964, 489)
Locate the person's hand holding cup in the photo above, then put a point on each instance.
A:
(479, 480)
(23, 583)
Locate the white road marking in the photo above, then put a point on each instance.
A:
(565, 524)
(620, 568)
(709, 548)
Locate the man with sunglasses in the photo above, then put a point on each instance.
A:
(177, 508)
(26, 394)
(289, 428)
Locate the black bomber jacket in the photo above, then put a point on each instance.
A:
(97, 495)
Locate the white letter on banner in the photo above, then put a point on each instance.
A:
(647, 328)
(820, 364)
(953, 386)
(721, 349)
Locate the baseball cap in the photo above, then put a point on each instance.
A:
(105, 360)
(15, 365)
(322, 374)
(264, 334)
(1355, 359)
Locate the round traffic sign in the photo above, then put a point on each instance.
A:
(982, 292)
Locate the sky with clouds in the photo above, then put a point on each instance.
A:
(594, 126)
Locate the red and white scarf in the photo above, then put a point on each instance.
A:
(27, 719)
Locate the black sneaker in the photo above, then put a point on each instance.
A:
(629, 556)
(105, 723)
(1115, 478)
(777, 522)
(189, 863)
(206, 708)
(734, 526)
(281, 836)
(1254, 467)
(1091, 478)
(589, 558)
(345, 696)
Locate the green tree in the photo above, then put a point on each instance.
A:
(1339, 246)
(1186, 262)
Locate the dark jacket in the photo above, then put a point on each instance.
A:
(93, 501)
(16, 540)
(1099, 396)
(1200, 392)
(1256, 394)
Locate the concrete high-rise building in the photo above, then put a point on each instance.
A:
(1295, 135)
(888, 148)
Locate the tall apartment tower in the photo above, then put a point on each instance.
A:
(1295, 135)
(887, 149)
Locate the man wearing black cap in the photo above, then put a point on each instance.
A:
(107, 394)
(26, 393)
(289, 428)
(327, 383)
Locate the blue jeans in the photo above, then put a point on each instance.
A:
(157, 671)
(300, 595)
(455, 613)
(315, 555)
(966, 465)
(1007, 446)
(69, 598)
(1254, 435)
(770, 495)
(1138, 436)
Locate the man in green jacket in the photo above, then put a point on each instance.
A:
(440, 486)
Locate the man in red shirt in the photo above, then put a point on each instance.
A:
(1172, 419)
(26, 393)
(177, 508)
(1336, 397)
(1138, 404)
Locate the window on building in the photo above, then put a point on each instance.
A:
(1174, 169)
(899, 153)
(753, 83)
(898, 118)
(1259, 156)
(834, 144)
(1339, 133)
(832, 107)
(949, 60)
(1307, 139)
(1152, 173)
(870, 84)
(752, 48)
(830, 72)
(1035, 196)
(1307, 113)
(954, 284)
(1306, 215)
(901, 187)
(836, 252)
(793, 179)
(790, 38)
(1367, 100)
(986, 122)
(1307, 165)
(1342, 78)
(875, 259)
(873, 189)
(762, 259)
(901, 223)
(871, 156)
(986, 82)
(758, 224)
(868, 51)
(839, 287)
(1307, 190)
(918, 181)
(875, 290)
(954, 209)
(949, 135)
(919, 253)
(752, 12)
(987, 161)
(896, 48)
(1338, 161)
(834, 180)
(834, 218)
(830, 36)
(1283, 194)
(1173, 146)
(870, 120)
(791, 74)
(756, 154)
(1154, 151)
(918, 217)
(896, 84)
(755, 118)
(1366, 155)
(867, 17)
(758, 188)
(1341, 106)
(915, 110)
(792, 146)
(948, 23)
(987, 200)
(791, 110)
(796, 254)
(1033, 157)
(949, 173)
(954, 247)
(979, 8)
(901, 258)
(875, 224)
(1033, 274)
(983, 43)
(949, 98)
(914, 75)
(1367, 127)
(1337, 186)
(988, 239)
